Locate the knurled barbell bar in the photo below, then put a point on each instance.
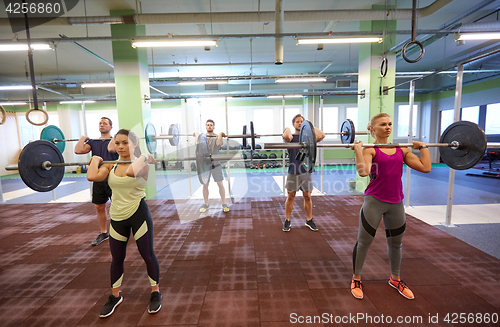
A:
(174, 134)
(347, 133)
(462, 145)
(41, 164)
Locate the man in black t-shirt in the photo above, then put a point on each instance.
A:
(101, 192)
(298, 178)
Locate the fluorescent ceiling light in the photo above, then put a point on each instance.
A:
(301, 80)
(155, 100)
(90, 85)
(76, 101)
(340, 40)
(185, 43)
(12, 103)
(286, 96)
(16, 87)
(21, 47)
(202, 82)
(479, 36)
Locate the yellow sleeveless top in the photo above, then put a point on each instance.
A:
(127, 193)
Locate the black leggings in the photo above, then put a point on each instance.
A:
(141, 225)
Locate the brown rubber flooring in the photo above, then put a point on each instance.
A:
(236, 269)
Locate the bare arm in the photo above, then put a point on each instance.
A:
(219, 138)
(96, 173)
(320, 135)
(140, 166)
(81, 147)
(287, 135)
(112, 146)
(364, 158)
(422, 164)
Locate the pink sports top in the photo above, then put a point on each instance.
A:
(385, 177)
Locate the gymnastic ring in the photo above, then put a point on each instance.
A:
(403, 52)
(37, 124)
(383, 67)
(4, 115)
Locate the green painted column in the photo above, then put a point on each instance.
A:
(371, 82)
(132, 85)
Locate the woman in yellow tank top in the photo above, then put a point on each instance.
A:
(129, 212)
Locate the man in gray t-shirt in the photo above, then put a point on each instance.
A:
(214, 142)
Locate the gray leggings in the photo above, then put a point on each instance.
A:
(369, 219)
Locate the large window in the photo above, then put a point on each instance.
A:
(352, 114)
(404, 120)
(492, 119)
(471, 114)
(92, 118)
(263, 122)
(331, 121)
(447, 118)
(163, 118)
(237, 119)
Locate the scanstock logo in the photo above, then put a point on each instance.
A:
(38, 12)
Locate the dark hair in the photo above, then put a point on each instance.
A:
(211, 121)
(297, 116)
(133, 137)
(110, 122)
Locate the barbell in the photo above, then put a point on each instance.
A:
(54, 135)
(462, 145)
(347, 133)
(41, 164)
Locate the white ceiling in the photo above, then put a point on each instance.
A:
(248, 57)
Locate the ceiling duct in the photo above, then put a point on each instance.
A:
(239, 17)
(344, 83)
(211, 87)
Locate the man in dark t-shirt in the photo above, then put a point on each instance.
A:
(101, 192)
(298, 178)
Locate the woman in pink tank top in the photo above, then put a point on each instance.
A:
(384, 199)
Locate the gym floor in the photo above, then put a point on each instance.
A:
(239, 268)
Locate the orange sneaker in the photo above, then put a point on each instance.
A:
(402, 288)
(357, 289)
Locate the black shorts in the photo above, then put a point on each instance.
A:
(101, 192)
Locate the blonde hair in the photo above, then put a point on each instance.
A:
(373, 120)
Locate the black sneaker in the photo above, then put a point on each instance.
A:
(110, 306)
(155, 302)
(100, 238)
(203, 208)
(311, 225)
(286, 225)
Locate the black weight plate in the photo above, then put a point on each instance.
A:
(307, 136)
(472, 147)
(174, 131)
(349, 134)
(244, 139)
(51, 133)
(203, 159)
(30, 166)
(252, 135)
(150, 136)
